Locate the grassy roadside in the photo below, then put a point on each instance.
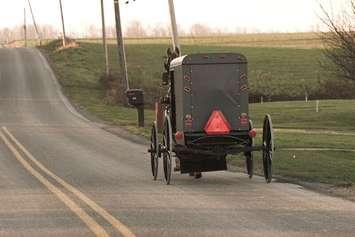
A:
(78, 71)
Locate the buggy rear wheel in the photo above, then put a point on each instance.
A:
(268, 148)
(249, 161)
(167, 152)
(154, 151)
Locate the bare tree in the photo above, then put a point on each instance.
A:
(111, 32)
(16, 33)
(340, 41)
(200, 30)
(8, 35)
(160, 31)
(5, 35)
(48, 31)
(93, 32)
(263, 83)
(135, 29)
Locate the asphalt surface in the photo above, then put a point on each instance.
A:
(61, 175)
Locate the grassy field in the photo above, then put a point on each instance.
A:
(275, 72)
(283, 40)
(79, 69)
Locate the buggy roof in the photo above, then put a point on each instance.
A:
(209, 58)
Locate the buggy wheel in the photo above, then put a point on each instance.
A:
(167, 153)
(268, 148)
(249, 161)
(154, 151)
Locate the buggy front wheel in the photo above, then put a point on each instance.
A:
(268, 148)
(167, 150)
(154, 150)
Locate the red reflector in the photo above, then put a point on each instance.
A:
(179, 136)
(217, 124)
(252, 133)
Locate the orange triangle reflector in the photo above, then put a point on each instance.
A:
(217, 124)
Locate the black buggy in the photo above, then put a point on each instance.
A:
(205, 116)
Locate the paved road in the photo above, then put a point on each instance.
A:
(61, 175)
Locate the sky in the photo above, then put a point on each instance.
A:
(229, 15)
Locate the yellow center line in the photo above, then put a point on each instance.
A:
(119, 226)
(90, 222)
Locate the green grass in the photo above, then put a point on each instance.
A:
(274, 72)
(328, 167)
(299, 140)
(333, 114)
(79, 70)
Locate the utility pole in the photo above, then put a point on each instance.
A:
(34, 23)
(104, 38)
(121, 49)
(63, 25)
(24, 26)
(174, 28)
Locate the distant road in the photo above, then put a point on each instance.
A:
(61, 175)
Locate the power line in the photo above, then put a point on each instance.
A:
(25, 26)
(34, 22)
(63, 25)
(104, 38)
(120, 46)
(174, 29)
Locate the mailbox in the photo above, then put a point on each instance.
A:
(135, 97)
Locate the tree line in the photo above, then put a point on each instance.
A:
(134, 29)
(17, 33)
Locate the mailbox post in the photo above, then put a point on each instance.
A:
(136, 99)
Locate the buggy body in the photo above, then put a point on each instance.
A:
(202, 84)
(206, 115)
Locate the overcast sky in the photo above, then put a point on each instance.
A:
(265, 15)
